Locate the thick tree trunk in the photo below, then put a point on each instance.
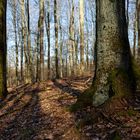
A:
(114, 74)
(3, 49)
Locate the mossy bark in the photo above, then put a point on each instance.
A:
(138, 24)
(114, 74)
(3, 89)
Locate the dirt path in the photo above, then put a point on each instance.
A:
(39, 112)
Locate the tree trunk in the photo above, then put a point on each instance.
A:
(76, 54)
(127, 13)
(24, 36)
(138, 24)
(114, 75)
(37, 54)
(32, 78)
(21, 61)
(41, 30)
(15, 32)
(81, 36)
(135, 33)
(71, 40)
(61, 51)
(3, 49)
(47, 22)
(87, 44)
(56, 38)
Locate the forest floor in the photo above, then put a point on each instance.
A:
(40, 111)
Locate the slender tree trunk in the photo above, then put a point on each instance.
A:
(31, 76)
(135, 33)
(61, 51)
(71, 40)
(76, 54)
(21, 60)
(41, 29)
(114, 75)
(56, 38)
(24, 35)
(87, 44)
(47, 22)
(3, 49)
(15, 32)
(37, 54)
(138, 24)
(81, 37)
(87, 57)
(127, 13)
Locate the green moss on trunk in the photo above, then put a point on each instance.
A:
(120, 86)
(120, 83)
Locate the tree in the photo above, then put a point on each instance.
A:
(3, 49)
(24, 37)
(135, 33)
(127, 13)
(14, 12)
(138, 24)
(47, 23)
(61, 50)
(32, 78)
(41, 30)
(56, 37)
(81, 16)
(71, 40)
(113, 75)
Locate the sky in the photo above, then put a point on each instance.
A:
(64, 11)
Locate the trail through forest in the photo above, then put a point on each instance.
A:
(40, 111)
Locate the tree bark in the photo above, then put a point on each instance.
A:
(56, 38)
(61, 51)
(127, 13)
(135, 33)
(15, 32)
(47, 22)
(81, 16)
(32, 77)
(24, 36)
(71, 40)
(3, 49)
(138, 24)
(114, 75)
(41, 30)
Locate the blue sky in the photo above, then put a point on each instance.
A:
(64, 11)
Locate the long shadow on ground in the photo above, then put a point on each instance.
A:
(67, 88)
(28, 116)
